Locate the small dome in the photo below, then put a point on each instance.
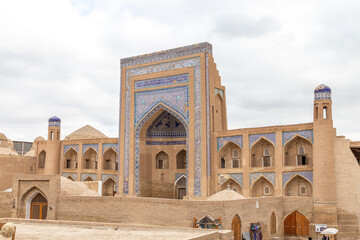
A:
(86, 132)
(54, 119)
(39, 138)
(2, 136)
(322, 88)
(225, 195)
(322, 92)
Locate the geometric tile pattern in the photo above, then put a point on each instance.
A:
(193, 62)
(269, 136)
(67, 174)
(208, 144)
(289, 175)
(114, 146)
(165, 142)
(166, 126)
(287, 136)
(221, 141)
(238, 177)
(92, 175)
(164, 81)
(74, 146)
(87, 146)
(322, 92)
(176, 97)
(271, 176)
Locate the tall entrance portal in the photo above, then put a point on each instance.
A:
(162, 144)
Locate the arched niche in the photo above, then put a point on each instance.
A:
(298, 151)
(42, 157)
(181, 160)
(90, 159)
(218, 113)
(298, 186)
(108, 187)
(162, 160)
(88, 179)
(180, 187)
(109, 160)
(71, 159)
(230, 156)
(273, 224)
(262, 153)
(232, 184)
(262, 187)
(70, 177)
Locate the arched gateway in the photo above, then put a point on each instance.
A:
(296, 224)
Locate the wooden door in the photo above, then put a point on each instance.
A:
(296, 224)
(236, 227)
(181, 193)
(39, 207)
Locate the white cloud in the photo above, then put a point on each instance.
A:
(62, 58)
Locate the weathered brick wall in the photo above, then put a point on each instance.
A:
(5, 204)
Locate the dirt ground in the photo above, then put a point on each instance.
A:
(40, 231)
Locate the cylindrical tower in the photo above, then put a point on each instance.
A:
(324, 163)
(52, 161)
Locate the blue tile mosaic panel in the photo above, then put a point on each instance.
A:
(67, 174)
(74, 146)
(271, 176)
(163, 81)
(92, 175)
(176, 97)
(289, 175)
(165, 142)
(87, 146)
(114, 146)
(238, 177)
(269, 136)
(221, 141)
(287, 136)
(166, 126)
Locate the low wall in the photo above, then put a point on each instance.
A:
(181, 213)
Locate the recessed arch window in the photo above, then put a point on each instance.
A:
(325, 113)
(301, 150)
(235, 154)
(266, 190)
(266, 152)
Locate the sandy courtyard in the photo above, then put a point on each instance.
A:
(56, 231)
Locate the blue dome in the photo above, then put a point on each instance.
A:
(322, 89)
(322, 92)
(54, 119)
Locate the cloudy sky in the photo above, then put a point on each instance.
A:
(62, 58)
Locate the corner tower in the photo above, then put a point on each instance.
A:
(324, 163)
(53, 147)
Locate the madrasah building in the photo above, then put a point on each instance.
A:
(176, 161)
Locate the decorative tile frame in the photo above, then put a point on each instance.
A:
(223, 177)
(221, 141)
(71, 174)
(269, 136)
(85, 147)
(179, 175)
(208, 143)
(176, 97)
(74, 146)
(308, 175)
(183, 63)
(287, 136)
(92, 175)
(114, 146)
(161, 82)
(165, 142)
(271, 176)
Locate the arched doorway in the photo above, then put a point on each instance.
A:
(108, 187)
(273, 224)
(181, 160)
(297, 152)
(42, 157)
(90, 159)
(262, 153)
(109, 160)
(236, 227)
(180, 187)
(39, 207)
(71, 159)
(230, 156)
(296, 224)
